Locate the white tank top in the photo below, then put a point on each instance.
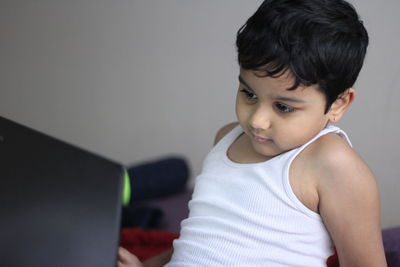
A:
(248, 215)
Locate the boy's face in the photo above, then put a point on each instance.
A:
(275, 119)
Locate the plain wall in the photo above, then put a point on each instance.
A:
(135, 80)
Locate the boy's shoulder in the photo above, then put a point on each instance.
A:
(224, 130)
(333, 153)
(328, 169)
(333, 158)
(336, 168)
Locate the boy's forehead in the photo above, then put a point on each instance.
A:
(285, 79)
(257, 80)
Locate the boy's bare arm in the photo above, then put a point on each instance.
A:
(349, 205)
(159, 260)
(127, 259)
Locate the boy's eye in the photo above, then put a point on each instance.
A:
(249, 95)
(284, 108)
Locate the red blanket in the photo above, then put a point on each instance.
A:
(146, 243)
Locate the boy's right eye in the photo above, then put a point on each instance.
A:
(249, 95)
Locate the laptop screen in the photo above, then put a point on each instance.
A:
(60, 205)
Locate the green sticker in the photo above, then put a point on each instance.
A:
(126, 196)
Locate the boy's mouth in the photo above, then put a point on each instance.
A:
(260, 139)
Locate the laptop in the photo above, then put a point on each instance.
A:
(59, 204)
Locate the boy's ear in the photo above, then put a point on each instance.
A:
(339, 107)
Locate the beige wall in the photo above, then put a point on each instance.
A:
(138, 79)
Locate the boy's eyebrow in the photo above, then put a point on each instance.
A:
(244, 83)
(290, 99)
(279, 98)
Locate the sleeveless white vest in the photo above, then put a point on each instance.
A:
(248, 215)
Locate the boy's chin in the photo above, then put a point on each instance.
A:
(265, 153)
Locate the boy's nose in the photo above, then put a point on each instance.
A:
(260, 119)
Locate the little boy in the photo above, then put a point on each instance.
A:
(283, 186)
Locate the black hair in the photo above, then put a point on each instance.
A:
(320, 42)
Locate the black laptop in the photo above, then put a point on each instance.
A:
(59, 205)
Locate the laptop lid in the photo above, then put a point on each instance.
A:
(59, 205)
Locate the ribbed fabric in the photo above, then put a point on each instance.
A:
(248, 215)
